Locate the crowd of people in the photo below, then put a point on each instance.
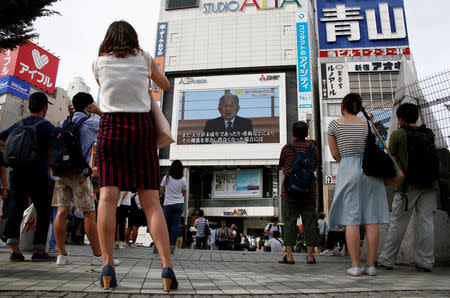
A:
(130, 182)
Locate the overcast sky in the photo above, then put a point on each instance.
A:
(76, 35)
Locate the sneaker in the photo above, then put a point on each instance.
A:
(133, 245)
(44, 257)
(327, 253)
(2, 244)
(172, 250)
(383, 267)
(354, 271)
(98, 261)
(422, 269)
(121, 245)
(369, 270)
(13, 257)
(63, 259)
(336, 251)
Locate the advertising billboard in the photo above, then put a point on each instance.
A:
(303, 66)
(228, 112)
(237, 184)
(362, 24)
(14, 86)
(31, 64)
(160, 56)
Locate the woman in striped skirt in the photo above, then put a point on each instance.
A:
(358, 199)
(126, 154)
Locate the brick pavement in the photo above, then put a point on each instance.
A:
(214, 273)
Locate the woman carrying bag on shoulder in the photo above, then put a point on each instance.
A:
(359, 199)
(126, 153)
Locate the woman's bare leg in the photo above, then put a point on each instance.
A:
(156, 224)
(106, 221)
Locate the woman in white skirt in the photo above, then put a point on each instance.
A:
(358, 199)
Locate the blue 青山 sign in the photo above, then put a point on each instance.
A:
(361, 23)
(15, 86)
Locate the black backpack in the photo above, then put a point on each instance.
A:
(301, 173)
(423, 162)
(21, 148)
(66, 156)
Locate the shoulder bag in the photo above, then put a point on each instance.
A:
(376, 162)
(163, 134)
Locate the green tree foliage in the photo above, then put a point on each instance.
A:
(16, 20)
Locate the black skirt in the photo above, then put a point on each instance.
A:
(126, 152)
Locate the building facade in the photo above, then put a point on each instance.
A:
(285, 61)
(247, 49)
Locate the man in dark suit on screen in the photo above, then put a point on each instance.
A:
(229, 121)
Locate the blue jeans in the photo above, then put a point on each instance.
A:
(172, 213)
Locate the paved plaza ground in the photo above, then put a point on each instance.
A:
(214, 273)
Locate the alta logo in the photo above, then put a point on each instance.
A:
(39, 60)
(268, 78)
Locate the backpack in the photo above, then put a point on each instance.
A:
(270, 227)
(423, 162)
(301, 173)
(21, 148)
(66, 156)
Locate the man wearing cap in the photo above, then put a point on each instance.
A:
(33, 182)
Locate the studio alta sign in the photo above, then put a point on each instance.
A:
(234, 5)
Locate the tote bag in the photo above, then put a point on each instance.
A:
(163, 134)
(376, 162)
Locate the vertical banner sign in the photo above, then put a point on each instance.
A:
(337, 80)
(160, 54)
(303, 67)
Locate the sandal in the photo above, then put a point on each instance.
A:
(285, 261)
(311, 262)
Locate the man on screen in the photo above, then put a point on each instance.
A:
(229, 121)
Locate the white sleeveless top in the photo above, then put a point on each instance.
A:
(124, 83)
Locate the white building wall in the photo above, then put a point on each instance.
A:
(247, 38)
(77, 85)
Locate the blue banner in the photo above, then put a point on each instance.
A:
(361, 24)
(15, 86)
(303, 66)
(161, 40)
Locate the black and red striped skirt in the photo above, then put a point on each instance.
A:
(126, 151)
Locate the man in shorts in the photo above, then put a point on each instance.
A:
(73, 188)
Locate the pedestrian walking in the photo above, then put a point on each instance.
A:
(29, 177)
(323, 230)
(123, 208)
(223, 236)
(359, 199)
(303, 203)
(174, 188)
(418, 193)
(202, 226)
(127, 157)
(273, 226)
(70, 189)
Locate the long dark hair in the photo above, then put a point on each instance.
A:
(176, 169)
(120, 40)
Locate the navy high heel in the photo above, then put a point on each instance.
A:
(108, 277)
(169, 279)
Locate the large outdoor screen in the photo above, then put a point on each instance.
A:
(229, 116)
(232, 116)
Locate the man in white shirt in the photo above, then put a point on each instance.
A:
(275, 244)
